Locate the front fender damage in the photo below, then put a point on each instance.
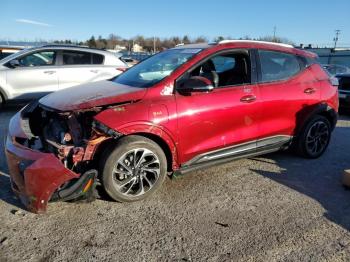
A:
(53, 156)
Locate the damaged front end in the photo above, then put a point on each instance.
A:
(51, 154)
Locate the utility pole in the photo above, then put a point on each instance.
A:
(274, 33)
(336, 38)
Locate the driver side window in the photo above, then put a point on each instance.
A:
(42, 58)
(224, 70)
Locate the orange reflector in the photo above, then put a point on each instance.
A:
(88, 185)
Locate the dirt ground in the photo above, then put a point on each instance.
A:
(277, 207)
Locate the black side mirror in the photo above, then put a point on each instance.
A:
(14, 63)
(195, 84)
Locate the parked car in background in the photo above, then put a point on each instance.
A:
(182, 109)
(132, 58)
(336, 69)
(129, 61)
(344, 91)
(34, 72)
(341, 75)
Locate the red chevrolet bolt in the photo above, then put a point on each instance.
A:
(182, 109)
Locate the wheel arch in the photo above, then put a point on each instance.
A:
(154, 133)
(163, 145)
(331, 115)
(3, 94)
(304, 115)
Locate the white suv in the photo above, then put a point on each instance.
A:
(34, 72)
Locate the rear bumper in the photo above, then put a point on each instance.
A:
(35, 175)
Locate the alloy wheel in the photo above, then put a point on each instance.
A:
(317, 137)
(136, 172)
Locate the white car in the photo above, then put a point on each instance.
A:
(32, 73)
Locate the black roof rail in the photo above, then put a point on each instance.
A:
(71, 45)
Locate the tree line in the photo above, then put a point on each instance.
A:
(149, 43)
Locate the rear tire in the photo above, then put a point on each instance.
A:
(314, 138)
(133, 169)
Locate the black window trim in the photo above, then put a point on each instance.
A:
(303, 63)
(253, 67)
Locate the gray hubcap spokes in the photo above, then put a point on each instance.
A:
(136, 172)
(317, 138)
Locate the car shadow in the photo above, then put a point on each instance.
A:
(6, 193)
(319, 179)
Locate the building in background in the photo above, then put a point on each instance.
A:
(137, 48)
(337, 56)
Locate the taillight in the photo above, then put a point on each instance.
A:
(334, 81)
(123, 69)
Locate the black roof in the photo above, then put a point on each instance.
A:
(71, 45)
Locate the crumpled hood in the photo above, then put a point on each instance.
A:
(90, 95)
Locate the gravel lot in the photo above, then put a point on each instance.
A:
(273, 208)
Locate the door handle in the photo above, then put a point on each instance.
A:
(309, 91)
(248, 99)
(49, 72)
(94, 71)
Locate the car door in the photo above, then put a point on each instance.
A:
(106, 67)
(35, 75)
(77, 68)
(286, 88)
(225, 117)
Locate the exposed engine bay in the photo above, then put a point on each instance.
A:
(68, 135)
(73, 137)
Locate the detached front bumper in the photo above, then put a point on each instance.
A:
(35, 175)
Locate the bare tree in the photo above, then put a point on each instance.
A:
(201, 39)
(160, 43)
(186, 40)
(276, 39)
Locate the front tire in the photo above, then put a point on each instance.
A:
(314, 138)
(133, 169)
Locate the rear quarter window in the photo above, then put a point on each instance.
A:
(97, 59)
(277, 66)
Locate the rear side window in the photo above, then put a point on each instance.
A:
(76, 58)
(277, 66)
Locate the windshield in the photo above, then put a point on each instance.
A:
(156, 68)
